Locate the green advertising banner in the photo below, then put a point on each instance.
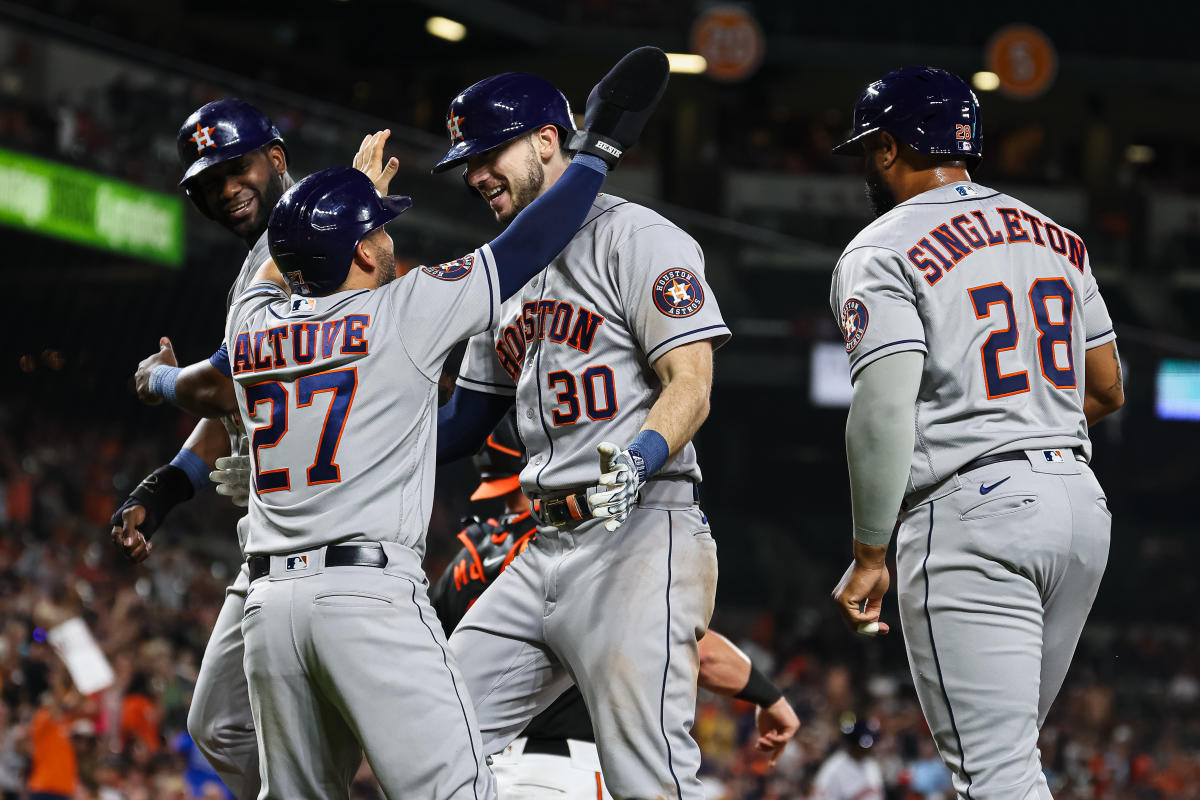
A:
(90, 209)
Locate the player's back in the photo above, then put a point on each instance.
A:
(1005, 307)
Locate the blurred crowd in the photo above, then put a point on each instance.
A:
(1126, 726)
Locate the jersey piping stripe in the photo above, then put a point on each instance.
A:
(962, 755)
(345, 300)
(689, 333)
(1099, 335)
(501, 386)
(488, 269)
(859, 360)
(662, 702)
(453, 682)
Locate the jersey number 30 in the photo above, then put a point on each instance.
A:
(1050, 333)
(342, 382)
(599, 395)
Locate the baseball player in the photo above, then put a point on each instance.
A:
(556, 753)
(612, 344)
(980, 351)
(235, 170)
(337, 365)
(851, 771)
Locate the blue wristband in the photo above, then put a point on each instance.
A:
(650, 452)
(591, 162)
(162, 381)
(194, 467)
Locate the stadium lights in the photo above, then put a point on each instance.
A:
(447, 29)
(985, 81)
(1139, 154)
(687, 63)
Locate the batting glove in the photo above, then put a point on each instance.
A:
(622, 475)
(232, 477)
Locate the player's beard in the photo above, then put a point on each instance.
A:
(385, 272)
(525, 191)
(878, 193)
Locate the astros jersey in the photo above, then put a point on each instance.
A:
(339, 396)
(1002, 302)
(577, 344)
(254, 259)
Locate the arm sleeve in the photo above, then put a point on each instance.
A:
(660, 272)
(875, 306)
(880, 435)
(465, 422)
(481, 370)
(220, 360)
(1097, 324)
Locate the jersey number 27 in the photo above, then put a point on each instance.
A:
(342, 382)
(1050, 333)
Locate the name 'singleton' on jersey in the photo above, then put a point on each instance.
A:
(307, 341)
(557, 320)
(962, 235)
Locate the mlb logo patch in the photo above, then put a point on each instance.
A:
(294, 563)
(304, 305)
(1053, 455)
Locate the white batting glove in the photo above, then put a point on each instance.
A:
(616, 493)
(232, 477)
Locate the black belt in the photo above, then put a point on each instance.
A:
(1015, 455)
(571, 509)
(549, 747)
(349, 554)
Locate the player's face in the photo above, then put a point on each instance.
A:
(384, 253)
(241, 192)
(879, 194)
(509, 177)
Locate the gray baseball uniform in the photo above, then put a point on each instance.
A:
(998, 565)
(339, 394)
(219, 719)
(618, 614)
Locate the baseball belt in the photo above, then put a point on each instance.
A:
(1015, 455)
(571, 509)
(348, 554)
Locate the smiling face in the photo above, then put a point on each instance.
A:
(240, 193)
(511, 176)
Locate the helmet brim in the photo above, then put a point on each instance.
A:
(397, 204)
(496, 488)
(465, 149)
(854, 145)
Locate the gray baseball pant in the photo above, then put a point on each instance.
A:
(994, 589)
(219, 719)
(347, 660)
(619, 614)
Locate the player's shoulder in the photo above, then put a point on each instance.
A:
(622, 218)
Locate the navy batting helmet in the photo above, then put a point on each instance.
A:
(219, 131)
(930, 110)
(500, 461)
(499, 109)
(318, 222)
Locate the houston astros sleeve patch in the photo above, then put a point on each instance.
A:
(452, 270)
(678, 292)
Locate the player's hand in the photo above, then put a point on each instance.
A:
(621, 103)
(616, 493)
(859, 596)
(232, 477)
(128, 538)
(369, 160)
(777, 724)
(141, 378)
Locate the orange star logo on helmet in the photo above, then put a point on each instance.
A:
(453, 125)
(203, 137)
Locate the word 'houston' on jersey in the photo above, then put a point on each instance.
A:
(570, 326)
(346, 336)
(965, 233)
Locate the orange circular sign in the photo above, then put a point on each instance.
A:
(730, 40)
(1024, 59)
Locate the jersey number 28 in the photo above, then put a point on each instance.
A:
(1050, 333)
(342, 382)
